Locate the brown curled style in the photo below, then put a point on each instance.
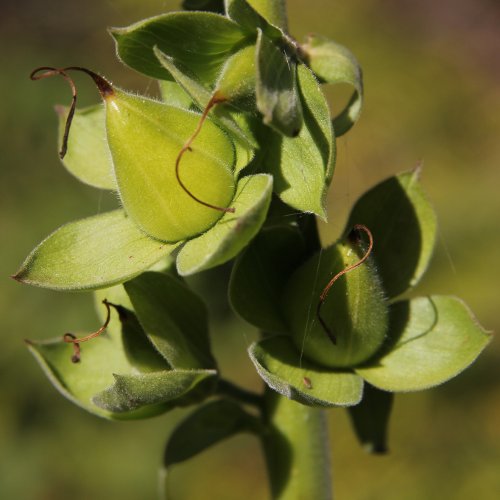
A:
(71, 339)
(214, 100)
(355, 237)
(104, 87)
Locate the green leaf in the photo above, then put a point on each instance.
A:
(276, 91)
(370, 419)
(88, 157)
(151, 134)
(333, 63)
(233, 231)
(273, 11)
(171, 388)
(403, 224)
(119, 350)
(354, 310)
(206, 426)
(302, 166)
(249, 19)
(174, 319)
(91, 253)
(259, 276)
(283, 368)
(431, 340)
(174, 95)
(201, 41)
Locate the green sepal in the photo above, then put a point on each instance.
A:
(207, 425)
(260, 273)
(284, 369)
(333, 63)
(136, 344)
(431, 340)
(370, 419)
(302, 166)
(233, 231)
(403, 224)
(249, 19)
(92, 253)
(174, 95)
(273, 11)
(174, 319)
(277, 94)
(201, 41)
(122, 348)
(87, 157)
(169, 388)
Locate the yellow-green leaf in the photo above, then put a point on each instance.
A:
(88, 157)
(233, 231)
(92, 253)
(431, 340)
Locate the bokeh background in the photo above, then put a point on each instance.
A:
(432, 73)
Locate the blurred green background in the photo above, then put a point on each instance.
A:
(432, 77)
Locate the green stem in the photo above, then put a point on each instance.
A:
(226, 388)
(296, 449)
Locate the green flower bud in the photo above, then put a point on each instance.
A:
(354, 312)
(145, 138)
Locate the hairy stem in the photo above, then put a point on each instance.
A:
(226, 388)
(296, 449)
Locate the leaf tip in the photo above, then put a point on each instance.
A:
(116, 32)
(417, 170)
(376, 448)
(19, 276)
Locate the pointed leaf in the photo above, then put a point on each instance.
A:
(173, 388)
(431, 340)
(201, 41)
(403, 224)
(302, 166)
(233, 231)
(92, 253)
(174, 319)
(333, 63)
(273, 11)
(88, 157)
(283, 368)
(152, 194)
(100, 358)
(260, 274)
(277, 94)
(249, 19)
(174, 95)
(370, 419)
(206, 426)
